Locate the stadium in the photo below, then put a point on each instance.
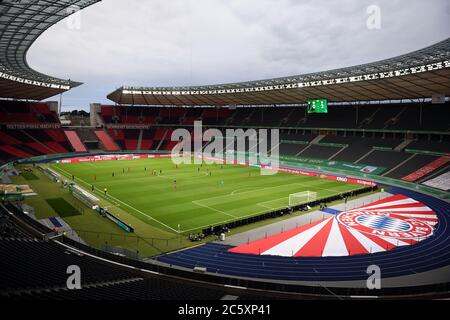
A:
(166, 193)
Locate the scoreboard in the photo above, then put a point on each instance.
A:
(318, 106)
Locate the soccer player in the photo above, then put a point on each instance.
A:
(175, 185)
(106, 191)
(222, 183)
(92, 187)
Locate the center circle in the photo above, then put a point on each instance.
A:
(383, 223)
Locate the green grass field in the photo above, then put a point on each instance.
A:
(62, 207)
(29, 176)
(200, 200)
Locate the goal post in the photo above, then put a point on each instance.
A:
(299, 198)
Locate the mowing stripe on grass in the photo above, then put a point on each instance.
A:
(62, 207)
(197, 202)
(29, 176)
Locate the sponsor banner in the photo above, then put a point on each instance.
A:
(110, 157)
(427, 152)
(234, 162)
(329, 144)
(33, 126)
(355, 167)
(294, 142)
(422, 172)
(300, 172)
(329, 177)
(128, 126)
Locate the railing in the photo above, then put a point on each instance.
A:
(129, 245)
(221, 280)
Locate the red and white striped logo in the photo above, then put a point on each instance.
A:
(380, 226)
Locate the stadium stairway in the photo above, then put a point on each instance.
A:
(105, 139)
(427, 255)
(75, 141)
(36, 269)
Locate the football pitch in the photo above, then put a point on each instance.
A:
(203, 195)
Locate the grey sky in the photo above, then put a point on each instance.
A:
(193, 42)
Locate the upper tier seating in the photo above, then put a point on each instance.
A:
(24, 112)
(29, 143)
(369, 116)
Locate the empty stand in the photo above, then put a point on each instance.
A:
(88, 137)
(106, 140)
(37, 269)
(427, 169)
(411, 166)
(24, 112)
(75, 141)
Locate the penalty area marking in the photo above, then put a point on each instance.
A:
(263, 204)
(211, 208)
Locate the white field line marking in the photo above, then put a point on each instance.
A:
(247, 188)
(126, 204)
(252, 191)
(170, 177)
(262, 204)
(92, 164)
(230, 220)
(262, 188)
(211, 208)
(222, 222)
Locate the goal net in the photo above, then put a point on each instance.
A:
(299, 198)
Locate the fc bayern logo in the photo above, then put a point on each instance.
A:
(385, 224)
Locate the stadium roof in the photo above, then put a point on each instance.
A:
(420, 74)
(21, 23)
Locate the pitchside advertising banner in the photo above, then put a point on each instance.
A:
(336, 165)
(243, 163)
(112, 157)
